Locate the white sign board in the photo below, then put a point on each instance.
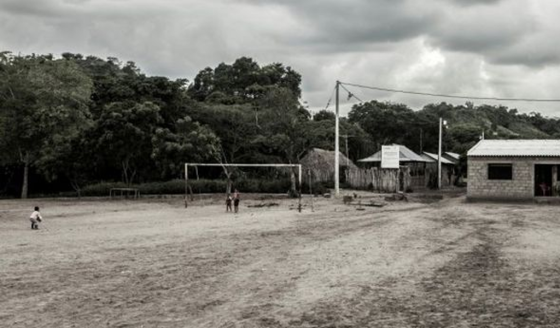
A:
(390, 157)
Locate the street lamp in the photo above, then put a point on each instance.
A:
(442, 123)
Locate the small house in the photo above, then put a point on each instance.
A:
(415, 163)
(513, 169)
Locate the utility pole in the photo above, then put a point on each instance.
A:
(345, 136)
(439, 154)
(336, 147)
(421, 141)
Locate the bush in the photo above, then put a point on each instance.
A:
(101, 189)
(203, 186)
(162, 188)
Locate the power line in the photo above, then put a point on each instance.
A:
(330, 99)
(350, 94)
(447, 96)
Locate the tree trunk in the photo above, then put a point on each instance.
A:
(229, 186)
(293, 190)
(76, 186)
(228, 177)
(127, 173)
(24, 188)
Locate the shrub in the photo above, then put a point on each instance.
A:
(202, 186)
(162, 188)
(101, 189)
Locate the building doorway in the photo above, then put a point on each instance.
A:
(543, 180)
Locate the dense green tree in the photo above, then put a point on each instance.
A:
(324, 115)
(187, 142)
(384, 122)
(41, 101)
(236, 127)
(244, 81)
(70, 157)
(124, 136)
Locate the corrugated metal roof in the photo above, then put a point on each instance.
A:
(405, 155)
(434, 158)
(511, 148)
(452, 155)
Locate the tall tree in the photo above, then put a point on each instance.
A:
(384, 122)
(42, 99)
(70, 157)
(124, 136)
(236, 127)
(283, 123)
(244, 81)
(187, 142)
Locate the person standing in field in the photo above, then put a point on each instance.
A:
(228, 203)
(35, 218)
(236, 200)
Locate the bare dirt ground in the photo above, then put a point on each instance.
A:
(153, 263)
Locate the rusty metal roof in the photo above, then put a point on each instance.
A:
(516, 148)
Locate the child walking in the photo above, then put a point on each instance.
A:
(236, 201)
(228, 203)
(35, 218)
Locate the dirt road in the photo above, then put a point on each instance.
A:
(155, 264)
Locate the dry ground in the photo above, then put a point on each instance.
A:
(152, 263)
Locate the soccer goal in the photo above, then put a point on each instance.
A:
(232, 165)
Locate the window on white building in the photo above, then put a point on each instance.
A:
(500, 171)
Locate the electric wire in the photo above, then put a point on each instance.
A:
(330, 99)
(350, 94)
(446, 95)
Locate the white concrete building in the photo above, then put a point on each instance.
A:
(513, 169)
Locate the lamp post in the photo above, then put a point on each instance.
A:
(336, 146)
(441, 124)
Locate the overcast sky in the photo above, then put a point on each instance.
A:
(495, 48)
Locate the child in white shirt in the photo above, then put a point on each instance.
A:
(35, 218)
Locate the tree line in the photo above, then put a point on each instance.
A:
(77, 120)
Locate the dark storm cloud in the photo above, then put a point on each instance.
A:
(493, 29)
(79, 9)
(357, 22)
(41, 9)
(530, 57)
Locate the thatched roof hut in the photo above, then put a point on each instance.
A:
(320, 163)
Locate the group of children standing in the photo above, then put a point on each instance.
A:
(234, 199)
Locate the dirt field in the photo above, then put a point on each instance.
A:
(153, 263)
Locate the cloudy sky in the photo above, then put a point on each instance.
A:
(494, 48)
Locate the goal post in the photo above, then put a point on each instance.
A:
(223, 165)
